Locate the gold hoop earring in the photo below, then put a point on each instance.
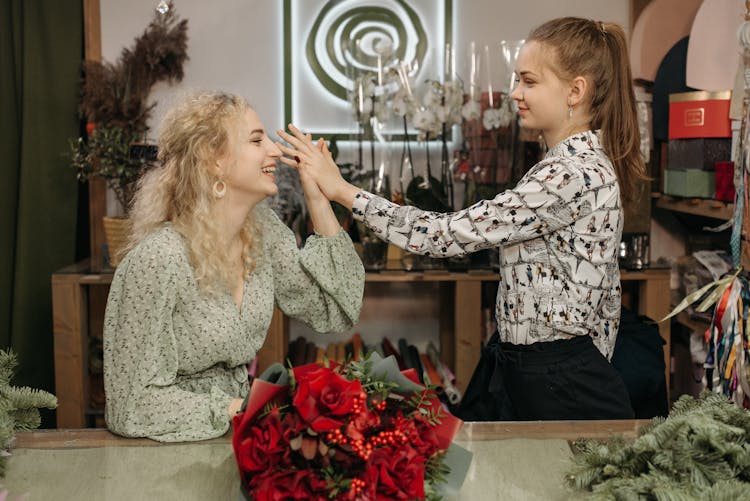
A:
(220, 188)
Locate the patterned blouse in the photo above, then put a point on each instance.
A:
(174, 358)
(558, 233)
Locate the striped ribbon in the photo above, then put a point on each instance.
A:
(728, 339)
(717, 288)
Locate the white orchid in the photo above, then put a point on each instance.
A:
(381, 110)
(432, 97)
(454, 93)
(506, 116)
(443, 114)
(368, 99)
(491, 118)
(471, 110)
(445, 100)
(402, 105)
(425, 120)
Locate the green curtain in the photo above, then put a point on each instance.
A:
(40, 56)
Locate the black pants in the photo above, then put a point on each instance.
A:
(557, 380)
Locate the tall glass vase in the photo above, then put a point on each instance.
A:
(509, 51)
(371, 65)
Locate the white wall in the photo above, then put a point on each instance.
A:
(233, 45)
(236, 45)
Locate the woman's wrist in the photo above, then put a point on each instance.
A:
(345, 194)
(324, 220)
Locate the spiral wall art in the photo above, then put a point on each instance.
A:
(327, 42)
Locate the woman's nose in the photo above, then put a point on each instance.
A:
(273, 150)
(516, 93)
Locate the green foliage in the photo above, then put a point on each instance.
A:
(19, 407)
(421, 405)
(701, 451)
(106, 154)
(435, 474)
(362, 370)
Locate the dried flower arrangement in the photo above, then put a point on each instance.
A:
(115, 103)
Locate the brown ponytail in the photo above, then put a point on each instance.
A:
(599, 52)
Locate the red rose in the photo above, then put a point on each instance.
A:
(361, 423)
(400, 472)
(321, 393)
(293, 425)
(303, 371)
(282, 485)
(419, 434)
(261, 446)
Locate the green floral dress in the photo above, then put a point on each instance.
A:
(174, 358)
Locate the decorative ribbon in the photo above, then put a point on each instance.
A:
(728, 343)
(717, 288)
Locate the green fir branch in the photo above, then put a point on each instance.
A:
(8, 364)
(28, 398)
(19, 407)
(701, 451)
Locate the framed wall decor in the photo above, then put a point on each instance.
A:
(327, 42)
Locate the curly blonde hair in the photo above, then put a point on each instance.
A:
(194, 134)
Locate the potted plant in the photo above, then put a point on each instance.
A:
(115, 105)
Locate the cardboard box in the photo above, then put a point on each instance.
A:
(698, 153)
(699, 114)
(694, 183)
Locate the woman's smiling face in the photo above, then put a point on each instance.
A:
(252, 161)
(542, 97)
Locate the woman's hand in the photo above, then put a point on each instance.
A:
(315, 164)
(234, 407)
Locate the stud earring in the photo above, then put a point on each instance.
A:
(220, 188)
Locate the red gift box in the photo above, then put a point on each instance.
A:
(724, 181)
(699, 114)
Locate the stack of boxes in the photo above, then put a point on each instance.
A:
(699, 148)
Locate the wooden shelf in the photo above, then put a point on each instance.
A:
(697, 206)
(432, 276)
(461, 329)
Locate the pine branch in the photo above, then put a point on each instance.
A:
(19, 407)
(8, 364)
(28, 398)
(703, 447)
(26, 419)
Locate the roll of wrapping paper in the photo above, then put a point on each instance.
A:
(453, 394)
(417, 361)
(357, 346)
(410, 357)
(320, 355)
(331, 352)
(389, 349)
(341, 353)
(432, 374)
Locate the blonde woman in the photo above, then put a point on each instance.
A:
(192, 300)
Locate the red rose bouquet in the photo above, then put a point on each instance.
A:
(364, 431)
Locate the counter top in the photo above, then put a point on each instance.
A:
(512, 460)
